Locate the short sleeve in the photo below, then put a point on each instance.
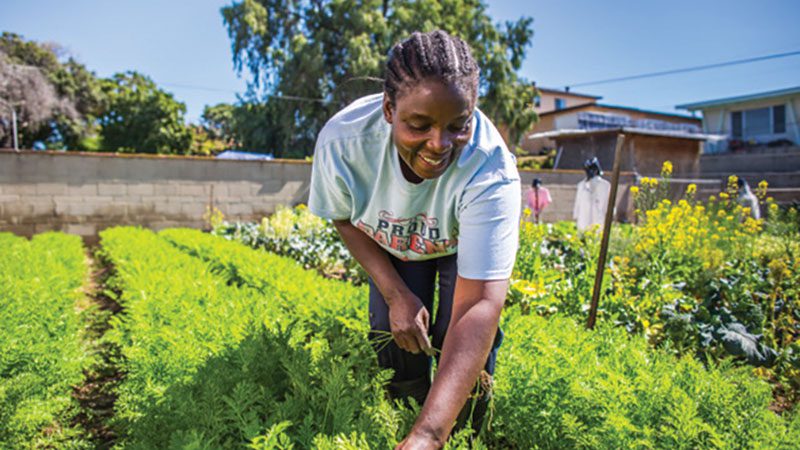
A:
(489, 229)
(329, 196)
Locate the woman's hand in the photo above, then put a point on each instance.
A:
(409, 321)
(408, 318)
(420, 441)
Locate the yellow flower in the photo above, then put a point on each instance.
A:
(634, 190)
(773, 206)
(691, 189)
(712, 199)
(723, 195)
(666, 168)
(763, 185)
(733, 179)
(526, 212)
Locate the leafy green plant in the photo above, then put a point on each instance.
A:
(42, 353)
(561, 386)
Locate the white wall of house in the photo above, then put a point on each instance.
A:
(567, 121)
(719, 120)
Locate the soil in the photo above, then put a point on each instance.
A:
(96, 395)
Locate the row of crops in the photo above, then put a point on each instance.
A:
(42, 350)
(225, 346)
(697, 278)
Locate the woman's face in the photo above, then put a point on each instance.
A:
(431, 123)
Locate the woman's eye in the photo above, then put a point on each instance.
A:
(418, 127)
(459, 128)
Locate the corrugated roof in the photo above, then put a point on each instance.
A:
(740, 99)
(628, 130)
(619, 108)
(561, 91)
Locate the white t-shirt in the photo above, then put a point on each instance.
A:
(472, 209)
(591, 202)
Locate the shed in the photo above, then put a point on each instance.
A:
(644, 152)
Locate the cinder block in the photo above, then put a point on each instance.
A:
(84, 229)
(239, 189)
(193, 209)
(240, 209)
(165, 189)
(17, 210)
(193, 190)
(87, 190)
(51, 189)
(19, 230)
(22, 189)
(219, 190)
(81, 209)
(296, 171)
(130, 199)
(143, 189)
(42, 227)
(166, 208)
(43, 208)
(112, 189)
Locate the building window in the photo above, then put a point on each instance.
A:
(758, 122)
(736, 124)
(560, 103)
(779, 119)
(537, 101)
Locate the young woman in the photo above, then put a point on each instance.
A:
(419, 182)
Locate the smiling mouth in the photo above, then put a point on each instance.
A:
(433, 162)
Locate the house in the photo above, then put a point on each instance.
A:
(596, 116)
(553, 100)
(747, 121)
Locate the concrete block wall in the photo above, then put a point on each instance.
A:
(84, 193)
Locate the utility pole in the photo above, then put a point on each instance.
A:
(13, 123)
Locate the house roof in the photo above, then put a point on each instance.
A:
(618, 108)
(627, 130)
(740, 99)
(561, 91)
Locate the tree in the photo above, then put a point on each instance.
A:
(76, 93)
(140, 117)
(33, 98)
(309, 59)
(218, 122)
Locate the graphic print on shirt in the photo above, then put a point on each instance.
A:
(420, 234)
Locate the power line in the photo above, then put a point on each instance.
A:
(686, 69)
(279, 97)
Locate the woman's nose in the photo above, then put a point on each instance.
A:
(440, 142)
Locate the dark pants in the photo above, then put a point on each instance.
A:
(420, 277)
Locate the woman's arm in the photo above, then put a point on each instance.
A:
(408, 318)
(476, 312)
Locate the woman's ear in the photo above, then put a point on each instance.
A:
(387, 109)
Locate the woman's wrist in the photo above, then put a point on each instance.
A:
(426, 438)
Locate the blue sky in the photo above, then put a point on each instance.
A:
(183, 45)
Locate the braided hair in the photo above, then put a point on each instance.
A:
(435, 54)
